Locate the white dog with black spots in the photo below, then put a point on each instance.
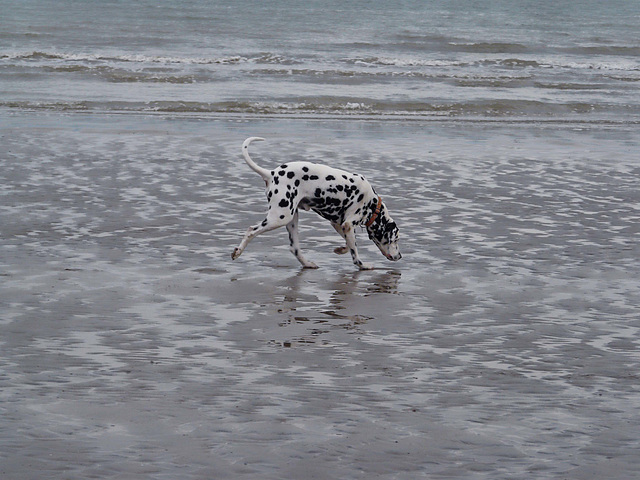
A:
(346, 199)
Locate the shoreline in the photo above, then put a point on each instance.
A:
(382, 118)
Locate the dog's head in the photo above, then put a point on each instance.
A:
(384, 233)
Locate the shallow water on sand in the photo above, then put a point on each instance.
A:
(503, 345)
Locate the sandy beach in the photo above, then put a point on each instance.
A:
(503, 345)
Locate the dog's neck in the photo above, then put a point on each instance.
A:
(375, 213)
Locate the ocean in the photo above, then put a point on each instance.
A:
(519, 60)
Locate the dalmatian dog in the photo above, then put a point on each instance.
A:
(346, 199)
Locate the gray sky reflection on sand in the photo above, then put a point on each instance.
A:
(311, 322)
(503, 345)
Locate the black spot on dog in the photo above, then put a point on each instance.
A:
(281, 173)
(297, 183)
(291, 174)
(313, 177)
(305, 177)
(305, 169)
(283, 203)
(329, 178)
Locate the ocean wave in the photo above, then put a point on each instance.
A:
(505, 75)
(565, 64)
(345, 107)
(404, 62)
(624, 50)
(545, 62)
(355, 76)
(423, 62)
(260, 58)
(435, 42)
(415, 63)
(443, 43)
(490, 47)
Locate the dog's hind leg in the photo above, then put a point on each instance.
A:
(340, 250)
(275, 219)
(294, 242)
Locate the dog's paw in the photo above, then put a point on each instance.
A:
(341, 250)
(366, 266)
(307, 264)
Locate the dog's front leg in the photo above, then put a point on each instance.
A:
(294, 242)
(350, 237)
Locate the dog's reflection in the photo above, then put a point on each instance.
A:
(323, 305)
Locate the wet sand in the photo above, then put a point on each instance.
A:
(504, 345)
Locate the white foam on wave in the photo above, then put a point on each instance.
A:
(260, 58)
(564, 62)
(405, 62)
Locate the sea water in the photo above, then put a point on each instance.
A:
(491, 60)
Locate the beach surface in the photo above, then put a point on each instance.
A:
(505, 344)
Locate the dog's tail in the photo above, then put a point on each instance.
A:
(263, 172)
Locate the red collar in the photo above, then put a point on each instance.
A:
(375, 214)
